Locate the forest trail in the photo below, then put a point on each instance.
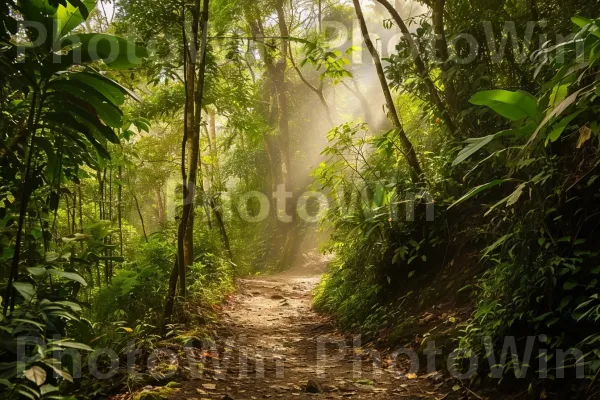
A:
(269, 345)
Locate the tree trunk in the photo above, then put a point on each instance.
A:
(120, 209)
(441, 44)
(193, 115)
(109, 252)
(222, 229)
(170, 302)
(287, 228)
(282, 100)
(161, 214)
(217, 184)
(409, 150)
(139, 211)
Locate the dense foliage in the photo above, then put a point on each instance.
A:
(142, 140)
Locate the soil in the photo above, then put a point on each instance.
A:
(271, 344)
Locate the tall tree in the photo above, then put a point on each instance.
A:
(194, 94)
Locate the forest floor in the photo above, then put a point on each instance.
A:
(271, 344)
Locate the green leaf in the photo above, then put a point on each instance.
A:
(27, 392)
(110, 113)
(115, 52)
(93, 121)
(73, 345)
(25, 289)
(564, 302)
(30, 322)
(77, 126)
(68, 275)
(570, 284)
(45, 389)
(582, 22)
(473, 148)
(51, 256)
(77, 237)
(555, 112)
(73, 306)
(74, 14)
(107, 87)
(481, 188)
(512, 105)
(516, 195)
(37, 271)
(56, 366)
(559, 128)
(559, 92)
(495, 245)
(35, 374)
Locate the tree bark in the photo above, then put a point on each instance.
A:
(287, 228)
(409, 150)
(120, 209)
(217, 184)
(25, 195)
(193, 115)
(170, 302)
(441, 44)
(139, 211)
(282, 100)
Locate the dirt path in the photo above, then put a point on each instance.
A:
(272, 345)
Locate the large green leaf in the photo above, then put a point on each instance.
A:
(68, 275)
(25, 289)
(70, 17)
(69, 121)
(122, 88)
(107, 87)
(110, 113)
(93, 121)
(115, 52)
(582, 22)
(512, 105)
